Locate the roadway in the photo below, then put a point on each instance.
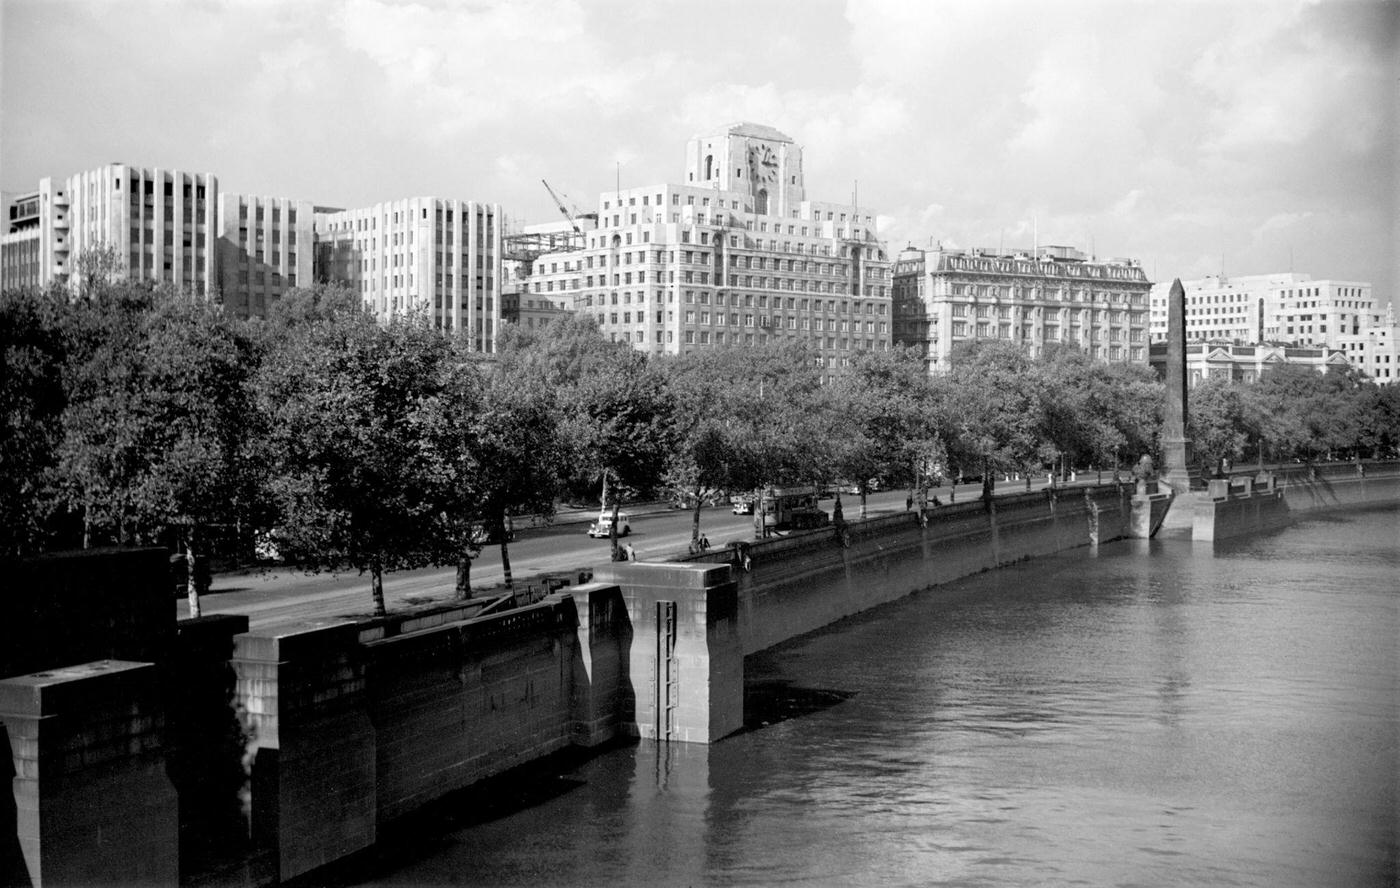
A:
(281, 595)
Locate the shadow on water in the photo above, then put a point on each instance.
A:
(769, 701)
(428, 831)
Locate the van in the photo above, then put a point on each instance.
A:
(603, 526)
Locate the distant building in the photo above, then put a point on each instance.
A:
(1375, 348)
(423, 254)
(156, 225)
(266, 246)
(1048, 296)
(19, 245)
(734, 256)
(1285, 308)
(1245, 363)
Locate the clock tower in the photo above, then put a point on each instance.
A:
(752, 159)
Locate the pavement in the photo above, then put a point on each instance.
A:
(279, 596)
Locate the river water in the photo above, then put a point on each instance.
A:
(1154, 713)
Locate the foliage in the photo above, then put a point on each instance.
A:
(888, 418)
(619, 424)
(364, 468)
(32, 402)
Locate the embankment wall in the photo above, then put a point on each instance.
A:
(318, 736)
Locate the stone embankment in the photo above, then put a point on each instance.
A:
(281, 751)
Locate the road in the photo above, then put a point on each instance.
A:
(281, 596)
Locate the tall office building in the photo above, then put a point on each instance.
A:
(423, 254)
(1048, 296)
(266, 246)
(152, 224)
(735, 255)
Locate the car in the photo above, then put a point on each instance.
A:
(743, 506)
(603, 526)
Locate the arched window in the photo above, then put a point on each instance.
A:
(709, 166)
(760, 203)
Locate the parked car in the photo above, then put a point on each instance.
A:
(603, 526)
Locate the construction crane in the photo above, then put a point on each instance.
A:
(569, 211)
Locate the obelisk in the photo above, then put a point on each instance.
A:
(1176, 448)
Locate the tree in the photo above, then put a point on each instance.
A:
(619, 423)
(510, 436)
(994, 411)
(887, 424)
(200, 476)
(1219, 421)
(103, 451)
(365, 471)
(32, 400)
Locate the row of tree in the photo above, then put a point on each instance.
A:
(1294, 413)
(139, 415)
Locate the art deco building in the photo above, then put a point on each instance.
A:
(1048, 296)
(1286, 308)
(441, 257)
(155, 224)
(266, 246)
(734, 256)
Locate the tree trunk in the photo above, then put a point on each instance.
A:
(862, 502)
(505, 551)
(376, 586)
(464, 577)
(192, 589)
(612, 532)
(695, 519)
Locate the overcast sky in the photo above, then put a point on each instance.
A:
(1257, 136)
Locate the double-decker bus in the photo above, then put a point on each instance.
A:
(788, 508)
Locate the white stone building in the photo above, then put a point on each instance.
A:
(736, 255)
(266, 246)
(441, 257)
(1289, 308)
(159, 225)
(1038, 298)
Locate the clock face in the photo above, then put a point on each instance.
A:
(764, 163)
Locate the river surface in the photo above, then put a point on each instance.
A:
(1154, 713)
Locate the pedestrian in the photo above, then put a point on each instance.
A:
(631, 553)
(704, 543)
(909, 502)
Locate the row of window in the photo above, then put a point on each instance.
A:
(1038, 294)
(1051, 333)
(259, 210)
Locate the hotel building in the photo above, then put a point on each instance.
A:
(1049, 296)
(736, 255)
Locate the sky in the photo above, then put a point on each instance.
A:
(1195, 137)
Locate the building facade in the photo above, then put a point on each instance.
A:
(1289, 309)
(1046, 297)
(142, 223)
(1235, 363)
(266, 246)
(440, 257)
(734, 256)
(19, 245)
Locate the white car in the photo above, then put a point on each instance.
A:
(603, 526)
